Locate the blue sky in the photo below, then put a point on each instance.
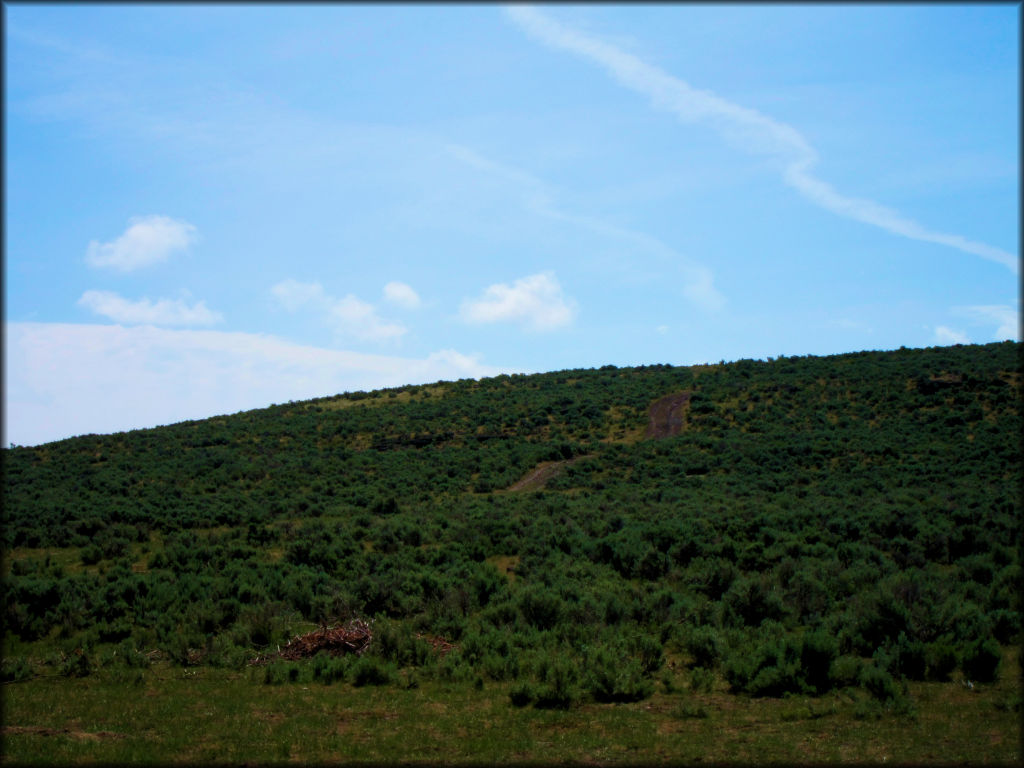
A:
(214, 208)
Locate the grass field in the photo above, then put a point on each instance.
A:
(168, 714)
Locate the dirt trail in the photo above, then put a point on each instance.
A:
(667, 415)
(538, 476)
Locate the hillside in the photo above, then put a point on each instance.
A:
(802, 525)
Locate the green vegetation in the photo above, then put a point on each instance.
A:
(836, 539)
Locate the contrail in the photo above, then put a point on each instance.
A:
(698, 281)
(754, 131)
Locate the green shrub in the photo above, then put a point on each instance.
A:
(687, 711)
(558, 688)
(750, 601)
(522, 694)
(818, 651)
(330, 669)
(766, 667)
(396, 642)
(16, 670)
(371, 670)
(980, 660)
(276, 672)
(649, 652)
(454, 668)
(1005, 624)
(76, 664)
(880, 684)
(940, 660)
(704, 645)
(130, 656)
(497, 667)
(845, 671)
(610, 677)
(540, 608)
(701, 680)
(911, 658)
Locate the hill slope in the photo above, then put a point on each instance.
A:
(769, 521)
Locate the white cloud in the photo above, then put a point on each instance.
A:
(402, 295)
(748, 128)
(1004, 317)
(347, 316)
(148, 240)
(352, 316)
(294, 295)
(64, 379)
(944, 335)
(162, 312)
(536, 302)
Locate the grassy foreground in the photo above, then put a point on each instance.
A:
(168, 714)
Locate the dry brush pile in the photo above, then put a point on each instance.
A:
(354, 637)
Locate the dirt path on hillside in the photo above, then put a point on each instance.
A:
(538, 477)
(667, 415)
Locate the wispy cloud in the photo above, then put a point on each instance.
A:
(293, 295)
(535, 302)
(1004, 317)
(749, 129)
(945, 335)
(148, 240)
(144, 311)
(402, 295)
(66, 379)
(347, 316)
(697, 280)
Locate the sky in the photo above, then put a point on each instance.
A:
(213, 208)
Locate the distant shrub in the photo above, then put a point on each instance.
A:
(817, 652)
(940, 661)
(276, 673)
(557, 689)
(16, 670)
(701, 680)
(329, 669)
(704, 645)
(498, 667)
(687, 711)
(1005, 624)
(76, 664)
(611, 677)
(880, 684)
(912, 661)
(129, 655)
(91, 555)
(845, 671)
(648, 652)
(521, 694)
(540, 608)
(766, 667)
(371, 670)
(981, 660)
(749, 601)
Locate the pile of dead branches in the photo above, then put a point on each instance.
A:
(441, 646)
(354, 637)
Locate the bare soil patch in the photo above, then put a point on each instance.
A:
(539, 476)
(667, 415)
(41, 730)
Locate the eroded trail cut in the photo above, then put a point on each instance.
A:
(667, 415)
(538, 477)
